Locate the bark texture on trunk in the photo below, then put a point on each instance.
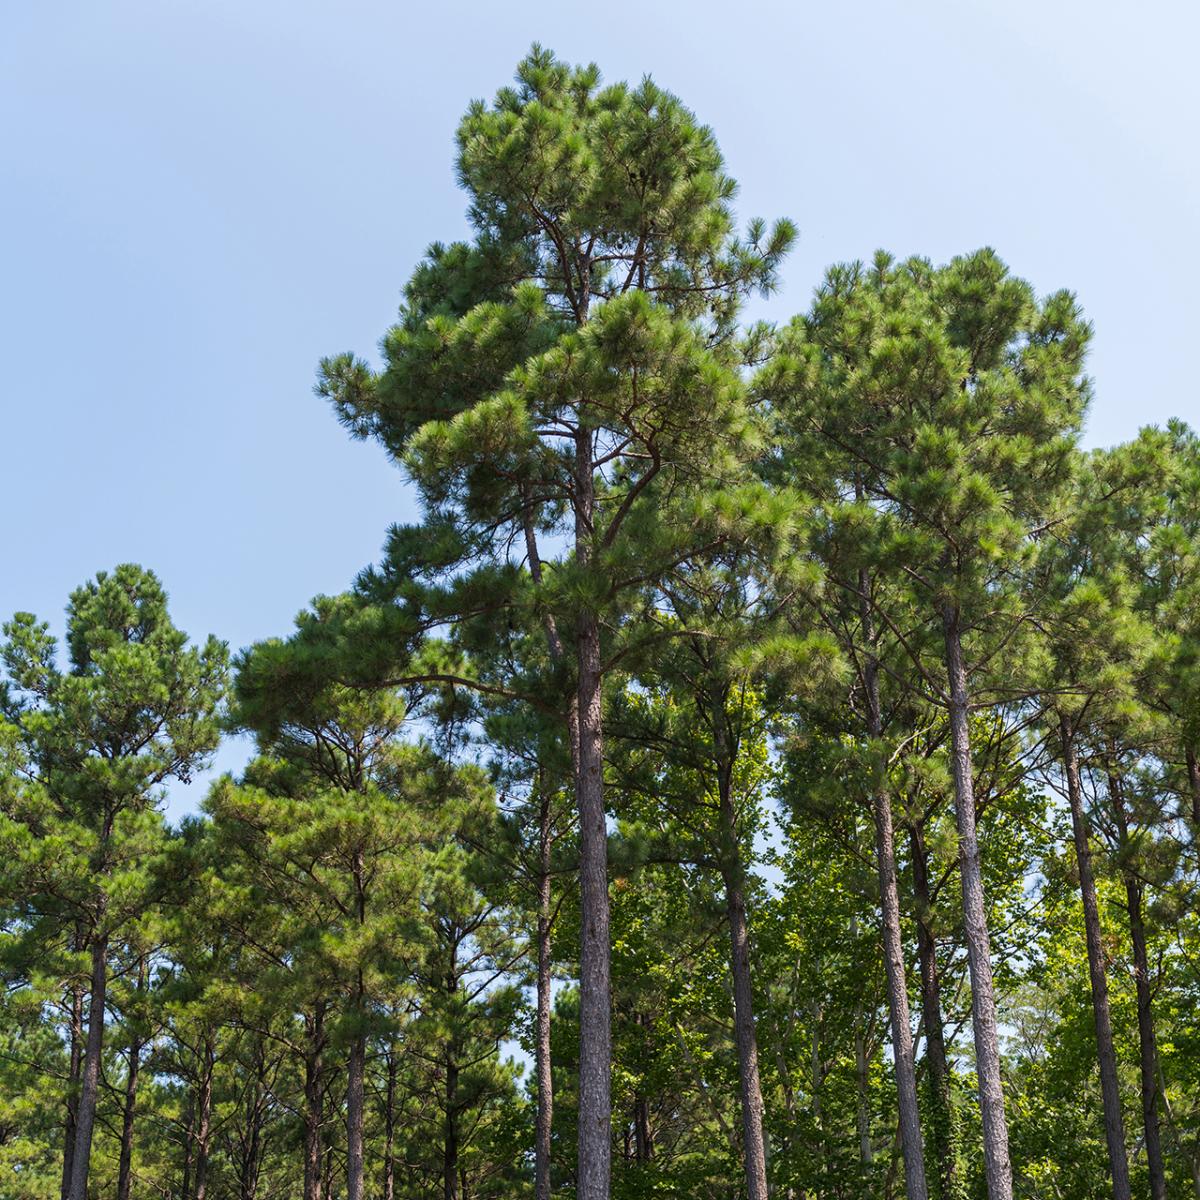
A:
(389, 1129)
(204, 1123)
(746, 1039)
(997, 1162)
(595, 997)
(1114, 1122)
(250, 1139)
(185, 1191)
(1147, 1042)
(125, 1165)
(314, 1102)
(327, 1173)
(545, 1073)
(595, 1022)
(450, 1181)
(252, 1149)
(75, 1073)
(898, 1011)
(941, 1125)
(544, 1066)
(354, 1118)
(745, 1036)
(893, 943)
(862, 1083)
(90, 1082)
(643, 1137)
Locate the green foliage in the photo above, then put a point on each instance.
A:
(772, 538)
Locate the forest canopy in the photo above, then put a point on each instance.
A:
(769, 767)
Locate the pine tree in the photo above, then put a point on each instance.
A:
(1098, 648)
(957, 397)
(574, 368)
(136, 708)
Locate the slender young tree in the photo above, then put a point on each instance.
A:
(340, 815)
(137, 707)
(1099, 647)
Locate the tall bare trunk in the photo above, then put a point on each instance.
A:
(862, 1081)
(314, 1102)
(75, 1073)
(997, 1163)
(943, 1136)
(90, 1083)
(189, 1129)
(893, 945)
(595, 997)
(125, 1167)
(643, 1135)
(745, 1037)
(1114, 1122)
(204, 1122)
(450, 1189)
(1147, 1041)
(746, 1040)
(252, 1143)
(545, 1073)
(389, 1129)
(327, 1171)
(544, 1062)
(817, 1084)
(1148, 1047)
(354, 1118)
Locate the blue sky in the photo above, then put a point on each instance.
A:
(199, 199)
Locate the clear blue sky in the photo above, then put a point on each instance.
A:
(200, 198)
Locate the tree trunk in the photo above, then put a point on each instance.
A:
(251, 1141)
(544, 1062)
(125, 1168)
(595, 1001)
(893, 945)
(252, 1156)
(389, 1129)
(1141, 973)
(314, 1103)
(450, 1141)
(943, 1136)
(997, 1163)
(1146, 1041)
(817, 1085)
(354, 1118)
(185, 1191)
(643, 1139)
(545, 1073)
(1193, 771)
(327, 1173)
(90, 1085)
(862, 1085)
(204, 1123)
(1114, 1123)
(745, 1037)
(75, 1072)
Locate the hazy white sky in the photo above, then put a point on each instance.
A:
(199, 198)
